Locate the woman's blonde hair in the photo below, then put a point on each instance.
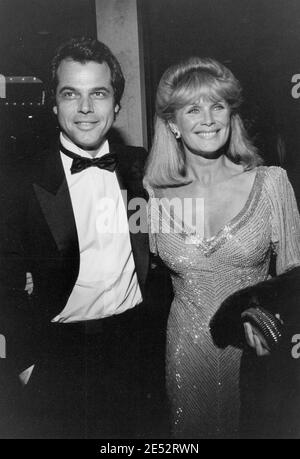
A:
(180, 85)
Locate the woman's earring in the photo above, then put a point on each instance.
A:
(174, 131)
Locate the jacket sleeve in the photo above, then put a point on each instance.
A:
(153, 219)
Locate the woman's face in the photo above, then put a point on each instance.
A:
(204, 126)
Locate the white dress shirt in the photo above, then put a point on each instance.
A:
(107, 282)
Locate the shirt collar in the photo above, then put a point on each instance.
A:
(103, 149)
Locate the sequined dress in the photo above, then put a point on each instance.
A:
(202, 380)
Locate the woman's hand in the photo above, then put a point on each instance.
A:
(256, 340)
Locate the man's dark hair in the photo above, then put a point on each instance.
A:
(86, 49)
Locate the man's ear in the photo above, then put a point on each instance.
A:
(117, 108)
(54, 110)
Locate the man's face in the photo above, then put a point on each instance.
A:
(85, 105)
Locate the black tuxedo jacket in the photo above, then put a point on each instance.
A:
(38, 235)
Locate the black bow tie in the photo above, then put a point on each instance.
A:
(80, 163)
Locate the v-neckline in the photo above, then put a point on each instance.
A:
(209, 245)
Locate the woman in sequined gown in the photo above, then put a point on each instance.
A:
(215, 215)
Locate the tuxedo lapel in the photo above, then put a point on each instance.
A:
(51, 190)
(129, 173)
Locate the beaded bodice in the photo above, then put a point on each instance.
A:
(239, 254)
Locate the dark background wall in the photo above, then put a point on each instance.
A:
(30, 31)
(259, 40)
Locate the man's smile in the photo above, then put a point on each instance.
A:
(86, 125)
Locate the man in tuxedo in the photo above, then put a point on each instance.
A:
(76, 339)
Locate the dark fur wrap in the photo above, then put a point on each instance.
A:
(270, 386)
(280, 294)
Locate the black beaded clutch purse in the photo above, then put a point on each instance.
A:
(266, 324)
